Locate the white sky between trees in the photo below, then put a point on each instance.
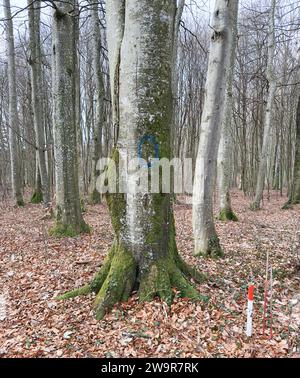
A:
(16, 5)
(200, 8)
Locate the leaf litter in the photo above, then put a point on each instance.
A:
(35, 268)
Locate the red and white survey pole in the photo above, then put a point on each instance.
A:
(250, 310)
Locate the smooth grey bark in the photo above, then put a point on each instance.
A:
(99, 101)
(35, 62)
(265, 152)
(226, 142)
(69, 220)
(13, 109)
(206, 239)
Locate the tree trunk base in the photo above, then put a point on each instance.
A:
(213, 249)
(95, 197)
(290, 203)
(37, 197)
(255, 206)
(227, 215)
(20, 203)
(120, 276)
(60, 230)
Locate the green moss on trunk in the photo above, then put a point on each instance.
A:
(213, 250)
(36, 198)
(120, 274)
(227, 215)
(82, 206)
(20, 203)
(95, 197)
(60, 230)
(118, 283)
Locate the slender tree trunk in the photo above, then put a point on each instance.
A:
(35, 62)
(95, 196)
(226, 142)
(15, 163)
(206, 239)
(80, 142)
(175, 76)
(295, 187)
(144, 256)
(69, 220)
(38, 193)
(262, 170)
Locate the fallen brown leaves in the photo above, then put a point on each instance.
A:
(35, 268)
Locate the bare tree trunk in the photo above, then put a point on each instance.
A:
(99, 94)
(226, 142)
(295, 187)
(80, 142)
(178, 16)
(69, 220)
(206, 239)
(144, 255)
(36, 80)
(13, 109)
(269, 113)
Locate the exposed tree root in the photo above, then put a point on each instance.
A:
(118, 283)
(84, 290)
(120, 274)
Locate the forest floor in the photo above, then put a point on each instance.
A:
(35, 268)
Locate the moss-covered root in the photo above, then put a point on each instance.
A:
(84, 290)
(117, 278)
(60, 230)
(162, 276)
(190, 271)
(113, 283)
(213, 249)
(94, 285)
(118, 284)
(36, 198)
(227, 215)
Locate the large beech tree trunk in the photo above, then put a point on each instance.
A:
(69, 220)
(206, 239)
(265, 152)
(144, 254)
(226, 142)
(35, 62)
(13, 109)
